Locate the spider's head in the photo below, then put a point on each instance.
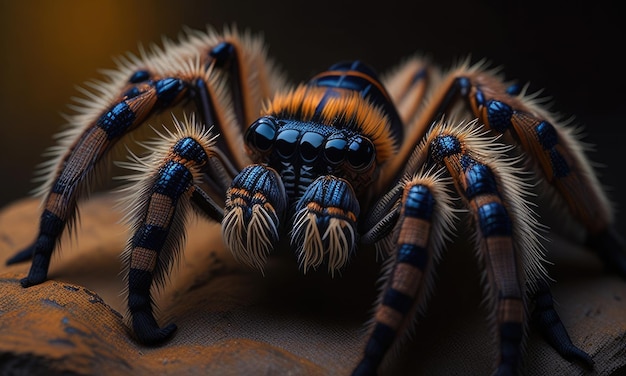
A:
(340, 123)
(308, 150)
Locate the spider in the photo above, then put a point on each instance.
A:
(322, 167)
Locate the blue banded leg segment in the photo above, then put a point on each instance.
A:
(324, 225)
(554, 151)
(255, 206)
(159, 232)
(478, 186)
(559, 156)
(496, 245)
(411, 267)
(77, 166)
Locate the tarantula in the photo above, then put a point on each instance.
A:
(321, 167)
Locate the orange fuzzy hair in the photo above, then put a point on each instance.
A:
(348, 110)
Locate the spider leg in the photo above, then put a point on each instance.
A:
(81, 159)
(552, 147)
(506, 241)
(560, 157)
(165, 188)
(227, 76)
(545, 317)
(556, 151)
(425, 212)
(549, 145)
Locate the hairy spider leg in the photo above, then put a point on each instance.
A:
(560, 156)
(475, 85)
(77, 166)
(558, 153)
(251, 81)
(140, 89)
(157, 212)
(477, 184)
(424, 215)
(505, 110)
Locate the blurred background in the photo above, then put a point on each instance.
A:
(573, 52)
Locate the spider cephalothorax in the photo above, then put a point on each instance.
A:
(347, 158)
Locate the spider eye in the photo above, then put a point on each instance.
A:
(310, 144)
(262, 133)
(360, 153)
(286, 142)
(335, 149)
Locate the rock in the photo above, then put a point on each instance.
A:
(236, 321)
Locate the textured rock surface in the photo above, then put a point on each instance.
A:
(235, 321)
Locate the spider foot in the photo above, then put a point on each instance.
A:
(32, 280)
(147, 330)
(558, 338)
(611, 248)
(551, 327)
(40, 255)
(36, 275)
(574, 354)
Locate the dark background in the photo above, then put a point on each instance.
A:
(572, 51)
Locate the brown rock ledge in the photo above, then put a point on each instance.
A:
(233, 321)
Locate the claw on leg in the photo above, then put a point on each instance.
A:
(21, 256)
(140, 304)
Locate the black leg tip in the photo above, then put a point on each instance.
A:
(21, 256)
(156, 336)
(31, 281)
(365, 368)
(148, 332)
(574, 354)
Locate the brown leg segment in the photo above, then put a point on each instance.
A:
(195, 70)
(408, 279)
(559, 156)
(77, 166)
(479, 187)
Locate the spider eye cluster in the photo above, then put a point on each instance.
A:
(358, 151)
(335, 146)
